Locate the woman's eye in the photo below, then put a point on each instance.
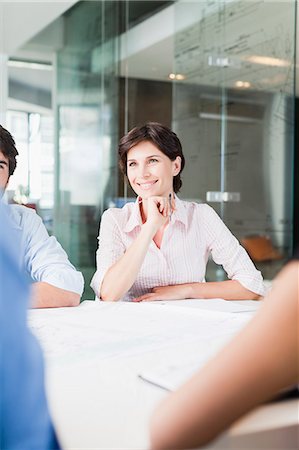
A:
(132, 164)
(153, 160)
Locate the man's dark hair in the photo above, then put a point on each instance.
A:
(8, 148)
(160, 136)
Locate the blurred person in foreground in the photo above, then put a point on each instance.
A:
(25, 423)
(55, 280)
(259, 363)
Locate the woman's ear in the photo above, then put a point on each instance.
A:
(177, 165)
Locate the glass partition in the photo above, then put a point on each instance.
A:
(145, 89)
(221, 74)
(87, 124)
(233, 107)
(33, 181)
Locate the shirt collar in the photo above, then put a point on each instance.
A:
(135, 217)
(15, 217)
(180, 215)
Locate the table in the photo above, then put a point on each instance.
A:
(95, 353)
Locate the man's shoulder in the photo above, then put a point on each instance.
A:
(21, 215)
(21, 209)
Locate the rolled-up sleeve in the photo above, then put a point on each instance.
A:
(110, 249)
(227, 251)
(44, 258)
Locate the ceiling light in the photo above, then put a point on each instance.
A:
(242, 84)
(176, 76)
(268, 61)
(29, 65)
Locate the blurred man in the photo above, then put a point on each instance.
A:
(24, 418)
(55, 281)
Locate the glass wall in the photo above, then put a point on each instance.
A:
(97, 101)
(221, 74)
(145, 89)
(87, 128)
(233, 107)
(33, 181)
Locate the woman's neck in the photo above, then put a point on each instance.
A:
(143, 209)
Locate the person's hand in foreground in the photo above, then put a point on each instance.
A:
(259, 362)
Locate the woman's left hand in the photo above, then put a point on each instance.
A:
(176, 292)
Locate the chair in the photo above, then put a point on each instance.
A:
(260, 248)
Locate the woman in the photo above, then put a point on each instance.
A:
(157, 248)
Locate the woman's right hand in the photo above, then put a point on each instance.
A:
(158, 211)
(122, 274)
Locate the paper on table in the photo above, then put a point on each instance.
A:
(215, 304)
(171, 374)
(100, 330)
(176, 371)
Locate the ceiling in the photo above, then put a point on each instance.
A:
(144, 54)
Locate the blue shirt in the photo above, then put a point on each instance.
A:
(41, 256)
(24, 417)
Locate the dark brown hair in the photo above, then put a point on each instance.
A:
(162, 137)
(8, 148)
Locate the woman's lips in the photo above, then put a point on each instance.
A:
(147, 185)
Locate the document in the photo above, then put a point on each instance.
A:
(215, 304)
(177, 370)
(96, 331)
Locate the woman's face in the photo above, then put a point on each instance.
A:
(149, 171)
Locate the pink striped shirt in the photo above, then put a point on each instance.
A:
(194, 232)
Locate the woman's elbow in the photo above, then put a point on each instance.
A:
(248, 294)
(108, 296)
(253, 296)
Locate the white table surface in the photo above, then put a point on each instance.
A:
(95, 352)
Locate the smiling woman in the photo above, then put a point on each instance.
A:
(142, 255)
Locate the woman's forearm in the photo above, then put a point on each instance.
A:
(121, 276)
(228, 290)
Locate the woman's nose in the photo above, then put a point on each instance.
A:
(144, 172)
